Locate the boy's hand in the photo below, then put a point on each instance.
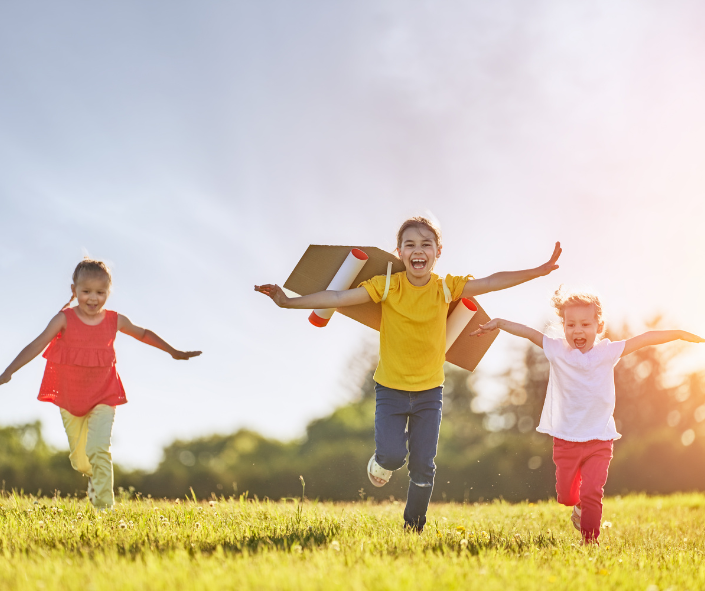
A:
(4, 378)
(275, 292)
(550, 266)
(185, 355)
(486, 328)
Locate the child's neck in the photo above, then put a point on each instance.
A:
(419, 281)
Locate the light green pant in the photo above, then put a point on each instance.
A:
(89, 445)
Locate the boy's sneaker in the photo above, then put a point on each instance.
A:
(90, 492)
(575, 517)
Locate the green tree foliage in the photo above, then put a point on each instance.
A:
(482, 455)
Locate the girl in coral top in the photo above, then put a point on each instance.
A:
(80, 375)
(409, 377)
(580, 399)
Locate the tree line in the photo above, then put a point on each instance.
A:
(482, 454)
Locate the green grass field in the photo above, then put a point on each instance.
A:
(653, 543)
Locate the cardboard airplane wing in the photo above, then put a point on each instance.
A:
(323, 266)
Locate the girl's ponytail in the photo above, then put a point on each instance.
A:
(67, 304)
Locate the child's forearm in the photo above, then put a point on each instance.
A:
(521, 330)
(25, 356)
(658, 337)
(154, 340)
(318, 300)
(507, 279)
(514, 328)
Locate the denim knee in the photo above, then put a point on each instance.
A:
(391, 461)
(423, 478)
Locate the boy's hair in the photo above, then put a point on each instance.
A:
(562, 298)
(89, 267)
(419, 222)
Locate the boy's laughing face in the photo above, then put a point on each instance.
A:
(418, 252)
(581, 326)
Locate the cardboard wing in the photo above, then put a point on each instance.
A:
(319, 265)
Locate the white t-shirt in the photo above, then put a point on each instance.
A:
(580, 397)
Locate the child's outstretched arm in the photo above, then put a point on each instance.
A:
(659, 337)
(514, 328)
(149, 338)
(55, 326)
(503, 280)
(318, 300)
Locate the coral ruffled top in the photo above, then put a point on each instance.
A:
(80, 371)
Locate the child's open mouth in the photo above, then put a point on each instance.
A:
(579, 343)
(418, 263)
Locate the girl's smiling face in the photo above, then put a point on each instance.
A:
(418, 252)
(581, 326)
(92, 291)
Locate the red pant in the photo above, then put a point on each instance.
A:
(581, 473)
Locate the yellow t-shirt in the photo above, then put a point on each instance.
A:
(412, 335)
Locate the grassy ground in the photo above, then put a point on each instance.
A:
(653, 543)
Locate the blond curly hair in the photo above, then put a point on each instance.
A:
(563, 298)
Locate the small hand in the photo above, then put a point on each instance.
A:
(686, 336)
(4, 378)
(185, 355)
(486, 328)
(550, 266)
(275, 292)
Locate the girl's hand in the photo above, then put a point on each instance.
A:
(550, 266)
(275, 292)
(4, 378)
(185, 355)
(486, 328)
(686, 336)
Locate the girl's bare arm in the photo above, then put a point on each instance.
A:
(318, 300)
(659, 337)
(150, 338)
(55, 326)
(514, 328)
(506, 279)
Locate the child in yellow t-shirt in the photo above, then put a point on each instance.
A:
(409, 377)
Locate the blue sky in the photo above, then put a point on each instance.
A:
(200, 147)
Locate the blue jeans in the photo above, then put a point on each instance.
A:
(410, 419)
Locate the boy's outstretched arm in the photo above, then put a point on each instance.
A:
(55, 326)
(149, 338)
(659, 337)
(505, 279)
(514, 328)
(318, 300)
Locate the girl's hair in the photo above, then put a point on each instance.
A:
(562, 298)
(89, 267)
(419, 222)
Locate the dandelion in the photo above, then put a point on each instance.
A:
(123, 525)
(177, 502)
(40, 523)
(197, 525)
(79, 515)
(335, 546)
(463, 543)
(460, 529)
(607, 524)
(212, 503)
(297, 549)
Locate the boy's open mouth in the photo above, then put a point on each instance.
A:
(418, 263)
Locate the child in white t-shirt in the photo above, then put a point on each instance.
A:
(580, 399)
